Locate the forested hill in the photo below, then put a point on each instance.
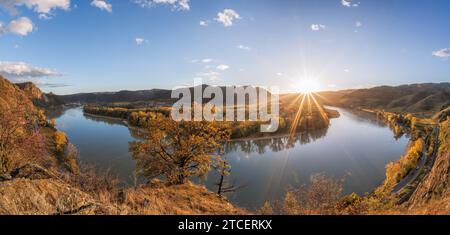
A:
(426, 99)
(420, 99)
(155, 95)
(120, 96)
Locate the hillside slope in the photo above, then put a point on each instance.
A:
(38, 97)
(153, 95)
(50, 196)
(11, 95)
(419, 99)
(34, 179)
(120, 96)
(436, 184)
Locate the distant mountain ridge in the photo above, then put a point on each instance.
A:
(120, 96)
(426, 98)
(160, 95)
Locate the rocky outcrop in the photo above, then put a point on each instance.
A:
(38, 97)
(436, 183)
(11, 96)
(442, 115)
(32, 171)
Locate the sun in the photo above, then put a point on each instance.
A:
(307, 86)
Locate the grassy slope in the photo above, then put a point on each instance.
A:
(53, 196)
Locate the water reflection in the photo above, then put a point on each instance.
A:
(356, 142)
(275, 144)
(107, 120)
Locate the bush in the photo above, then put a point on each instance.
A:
(60, 141)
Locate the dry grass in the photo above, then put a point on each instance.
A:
(40, 197)
(54, 196)
(186, 199)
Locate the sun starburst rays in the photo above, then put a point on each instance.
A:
(312, 105)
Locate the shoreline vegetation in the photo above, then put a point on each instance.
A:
(401, 176)
(415, 184)
(128, 125)
(247, 130)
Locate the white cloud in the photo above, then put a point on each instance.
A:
(227, 17)
(279, 74)
(44, 16)
(317, 27)
(204, 23)
(358, 24)
(21, 26)
(242, 47)
(442, 53)
(209, 76)
(347, 70)
(208, 73)
(39, 6)
(207, 60)
(102, 4)
(140, 41)
(21, 70)
(349, 3)
(52, 85)
(180, 5)
(223, 67)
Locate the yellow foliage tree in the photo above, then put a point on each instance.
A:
(61, 141)
(178, 150)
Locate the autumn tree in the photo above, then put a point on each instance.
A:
(20, 140)
(320, 197)
(178, 150)
(223, 170)
(61, 142)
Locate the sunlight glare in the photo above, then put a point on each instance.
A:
(307, 86)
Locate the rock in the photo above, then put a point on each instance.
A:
(32, 171)
(5, 177)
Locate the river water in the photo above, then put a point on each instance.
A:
(355, 145)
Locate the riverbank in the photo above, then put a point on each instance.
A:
(119, 120)
(265, 136)
(254, 161)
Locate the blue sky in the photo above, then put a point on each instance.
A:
(69, 46)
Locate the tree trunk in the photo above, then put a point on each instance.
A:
(220, 185)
